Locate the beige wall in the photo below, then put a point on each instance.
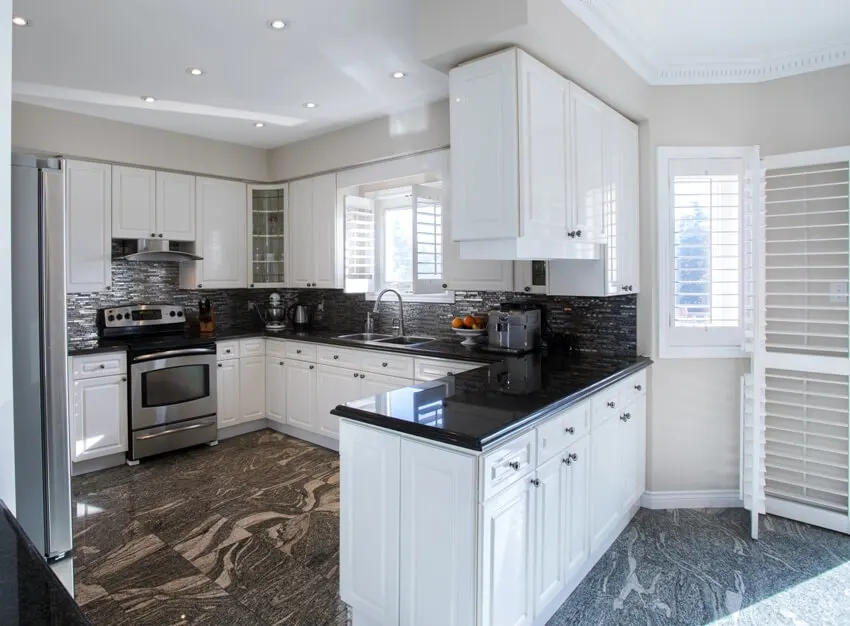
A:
(40, 129)
(7, 429)
(694, 404)
(417, 130)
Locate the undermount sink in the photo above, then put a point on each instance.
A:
(406, 340)
(365, 337)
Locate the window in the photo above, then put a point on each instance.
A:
(394, 238)
(700, 210)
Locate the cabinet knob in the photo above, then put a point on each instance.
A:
(450, 373)
(102, 366)
(281, 363)
(625, 287)
(445, 286)
(312, 367)
(578, 233)
(611, 405)
(362, 375)
(638, 387)
(571, 234)
(219, 364)
(227, 351)
(384, 364)
(109, 287)
(199, 286)
(535, 482)
(514, 465)
(160, 234)
(571, 430)
(153, 234)
(298, 352)
(336, 356)
(124, 378)
(528, 288)
(570, 458)
(625, 417)
(356, 374)
(251, 285)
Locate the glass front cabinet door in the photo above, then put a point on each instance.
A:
(267, 222)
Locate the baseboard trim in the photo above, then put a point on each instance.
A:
(95, 465)
(242, 429)
(306, 435)
(706, 499)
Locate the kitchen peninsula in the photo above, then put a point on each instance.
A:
(486, 497)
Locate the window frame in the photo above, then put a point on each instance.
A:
(726, 342)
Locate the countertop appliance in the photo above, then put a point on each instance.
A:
(39, 354)
(173, 394)
(273, 314)
(514, 327)
(301, 316)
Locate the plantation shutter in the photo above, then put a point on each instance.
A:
(427, 239)
(359, 244)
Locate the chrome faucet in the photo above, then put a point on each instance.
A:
(400, 308)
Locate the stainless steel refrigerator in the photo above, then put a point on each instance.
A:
(39, 351)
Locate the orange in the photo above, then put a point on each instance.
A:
(468, 321)
(457, 323)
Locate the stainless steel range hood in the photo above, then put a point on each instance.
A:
(158, 250)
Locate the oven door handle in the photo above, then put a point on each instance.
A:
(171, 431)
(168, 354)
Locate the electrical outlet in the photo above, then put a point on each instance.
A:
(838, 292)
(250, 306)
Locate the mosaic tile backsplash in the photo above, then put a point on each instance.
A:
(607, 325)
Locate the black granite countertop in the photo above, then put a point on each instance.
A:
(30, 593)
(478, 408)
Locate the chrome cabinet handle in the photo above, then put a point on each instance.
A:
(160, 234)
(384, 364)
(570, 431)
(336, 356)
(199, 286)
(153, 234)
(312, 367)
(356, 374)
(570, 458)
(514, 465)
(362, 375)
(281, 363)
(227, 351)
(219, 364)
(625, 417)
(298, 352)
(611, 405)
(102, 366)
(124, 378)
(528, 288)
(535, 482)
(638, 387)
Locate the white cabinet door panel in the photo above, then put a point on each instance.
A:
(99, 420)
(576, 503)
(369, 522)
(588, 165)
(437, 536)
(275, 389)
(374, 384)
(605, 481)
(175, 206)
(300, 248)
(550, 534)
(222, 222)
(507, 547)
(133, 203)
(633, 441)
(227, 388)
(334, 386)
(252, 388)
(88, 226)
(300, 394)
(327, 230)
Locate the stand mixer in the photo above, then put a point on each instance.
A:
(273, 313)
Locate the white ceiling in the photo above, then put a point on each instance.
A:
(721, 41)
(98, 57)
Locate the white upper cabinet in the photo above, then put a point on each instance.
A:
(315, 234)
(175, 206)
(466, 275)
(133, 203)
(221, 237)
(588, 185)
(88, 228)
(267, 226)
(512, 150)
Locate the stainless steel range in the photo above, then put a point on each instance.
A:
(172, 378)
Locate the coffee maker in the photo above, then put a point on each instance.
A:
(514, 327)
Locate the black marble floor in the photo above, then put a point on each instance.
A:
(243, 533)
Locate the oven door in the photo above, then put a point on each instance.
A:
(172, 386)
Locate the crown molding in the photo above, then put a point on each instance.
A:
(605, 24)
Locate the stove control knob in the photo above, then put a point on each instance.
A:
(119, 316)
(179, 313)
(111, 318)
(173, 313)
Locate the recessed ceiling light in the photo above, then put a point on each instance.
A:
(195, 71)
(398, 74)
(258, 124)
(20, 21)
(277, 24)
(148, 99)
(310, 105)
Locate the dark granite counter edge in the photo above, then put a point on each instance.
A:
(481, 445)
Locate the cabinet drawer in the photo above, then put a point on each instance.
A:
(96, 365)
(252, 347)
(386, 363)
(300, 351)
(432, 369)
(562, 430)
(227, 350)
(605, 404)
(507, 464)
(633, 388)
(340, 357)
(276, 348)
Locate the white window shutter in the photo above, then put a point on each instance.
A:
(359, 244)
(427, 239)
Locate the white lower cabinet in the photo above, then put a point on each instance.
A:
(374, 384)
(99, 417)
(227, 384)
(252, 388)
(604, 481)
(300, 382)
(334, 386)
(507, 561)
(633, 454)
(577, 501)
(551, 532)
(275, 390)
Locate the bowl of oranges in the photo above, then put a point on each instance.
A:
(470, 327)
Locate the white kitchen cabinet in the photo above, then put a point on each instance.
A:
(252, 388)
(300, 385)
(99, 417)
(588, 181)
(512, 148)
(633, 453)
(475, 275)
(374, 384)
(507, 547)
(227, 388)
(315, 233)
(369, 547)
(628, 211)
(267, 227)
(334, 386)
(275, 389)
(605, 481)
(221, 237)
(437, 536)
(133, 203)
(551, 532)
(175, 206)
(577, 500)
(88, 227)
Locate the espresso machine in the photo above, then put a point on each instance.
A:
(514, 328)
(273, 313)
